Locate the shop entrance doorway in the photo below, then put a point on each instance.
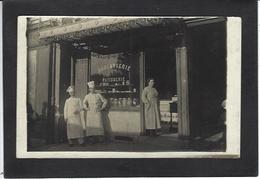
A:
(161, 66)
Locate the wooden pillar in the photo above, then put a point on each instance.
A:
(182, 92)
(89, 66)
(182, 82)
(72, 71)
(65, 73)
(57, 115)
(51, 98)
(142, 85)
(57, 76)
(53, 74)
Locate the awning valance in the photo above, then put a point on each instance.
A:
(88, 27)
(100, 26)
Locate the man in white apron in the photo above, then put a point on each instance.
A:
(72, 110)
(94, 103)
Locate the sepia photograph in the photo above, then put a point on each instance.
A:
(99, 88)
(128, 86)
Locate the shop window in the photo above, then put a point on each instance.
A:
(117, 78)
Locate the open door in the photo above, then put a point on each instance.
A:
(81, 77)
(160, 64)
(81, 71)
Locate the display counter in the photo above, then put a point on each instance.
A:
(125, 123)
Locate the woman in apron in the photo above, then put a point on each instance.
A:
(94, 103)
(72, 110)
(152, 112)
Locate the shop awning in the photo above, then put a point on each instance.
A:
(86, 28)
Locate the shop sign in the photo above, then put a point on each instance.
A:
(116, 66)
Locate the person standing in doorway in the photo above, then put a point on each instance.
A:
(223, 140)
(94, 103)
(152, 112)
(72, 110)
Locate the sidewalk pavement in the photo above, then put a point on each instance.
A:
(162, 143)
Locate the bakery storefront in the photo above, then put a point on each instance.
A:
(120, 54)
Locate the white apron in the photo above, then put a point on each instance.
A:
(74, 126)
(152, 111)
(94, 123)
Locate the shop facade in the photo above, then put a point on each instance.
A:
(120, 54)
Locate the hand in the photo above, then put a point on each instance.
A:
(148, 105)
(147, 102)
(76, 112)
(99, 109)
(86, 109)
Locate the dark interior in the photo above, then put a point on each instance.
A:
(130, 40)
(161, 66)
(207, 77)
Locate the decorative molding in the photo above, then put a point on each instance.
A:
(99, 26)
(60, 30)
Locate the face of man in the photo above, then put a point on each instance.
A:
(91, 90)
(72, 93)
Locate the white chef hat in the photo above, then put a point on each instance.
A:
(70, 89)
(91, 84)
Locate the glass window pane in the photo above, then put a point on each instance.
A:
(117, 78)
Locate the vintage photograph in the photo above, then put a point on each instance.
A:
(127, 84)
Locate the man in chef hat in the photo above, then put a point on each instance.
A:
(91, 85)
(72, 110)
(94, 103)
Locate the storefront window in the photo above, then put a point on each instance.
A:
(117, 78)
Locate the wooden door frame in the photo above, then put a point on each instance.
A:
(51, 94)
(182, 92)
(142, 85)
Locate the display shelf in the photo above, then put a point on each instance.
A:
(113, 86)
(124, 92)
(124, 108)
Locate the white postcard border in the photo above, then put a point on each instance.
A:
(233, 104)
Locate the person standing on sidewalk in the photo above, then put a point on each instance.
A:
(94, 103)
(72, 110)
(152, 112)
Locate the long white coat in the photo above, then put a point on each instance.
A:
(152, 111)
(94, 122)
(74, 125)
